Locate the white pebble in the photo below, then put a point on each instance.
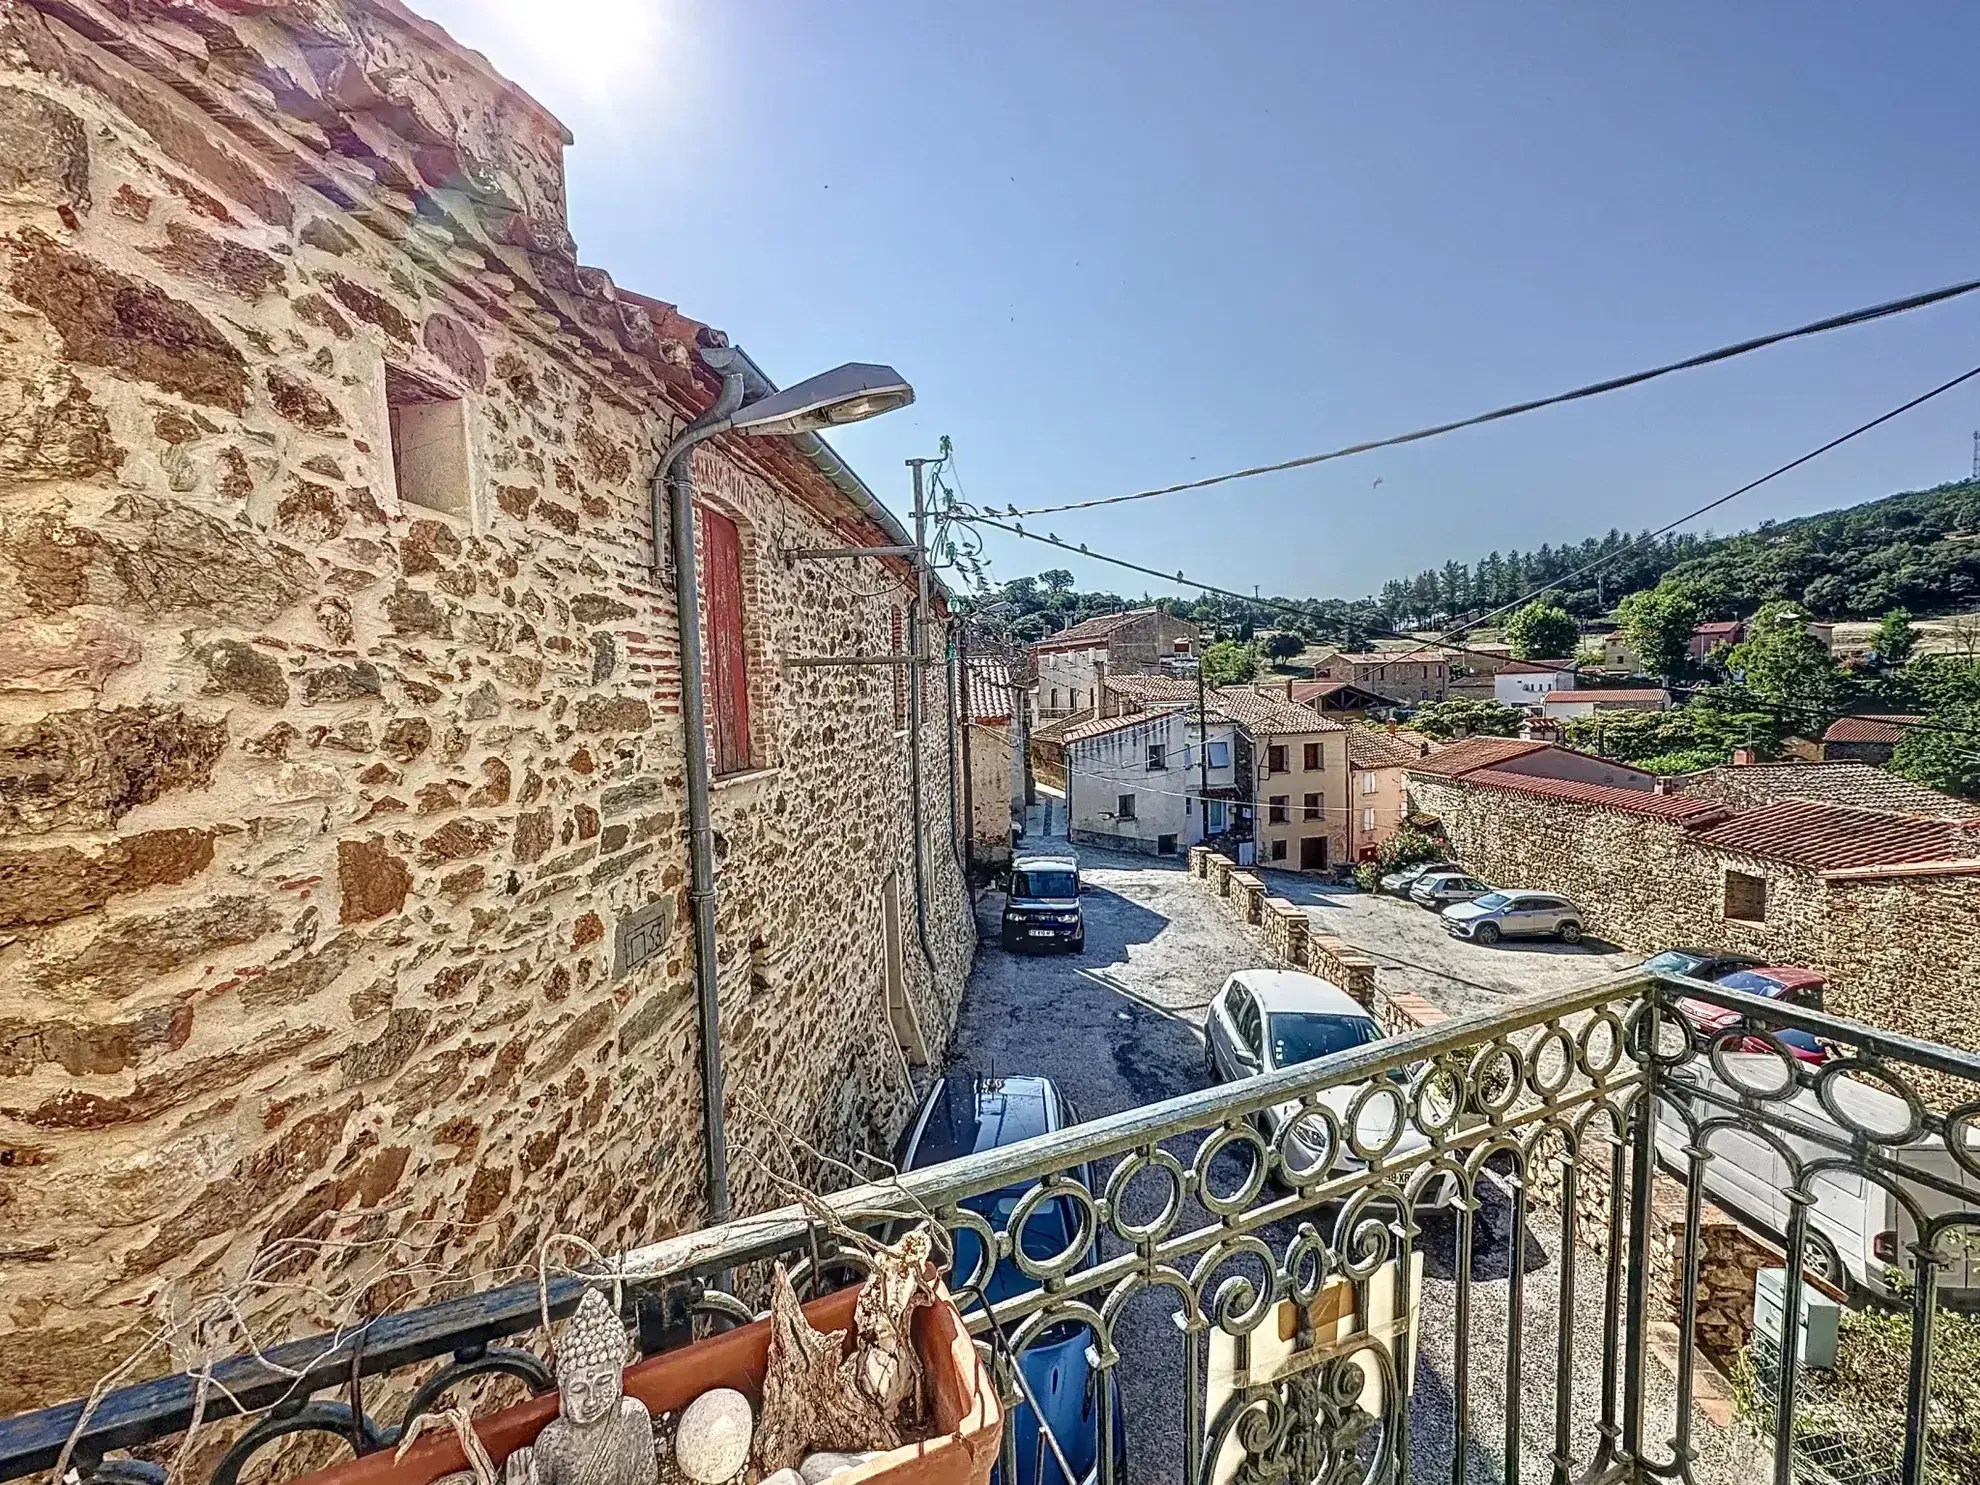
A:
(712, 1443)
(784, 1477)
(823, 1465)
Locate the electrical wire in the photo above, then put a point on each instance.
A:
(1593, 389)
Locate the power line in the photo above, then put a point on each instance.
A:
(1593, 389)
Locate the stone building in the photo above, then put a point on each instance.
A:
(996, 753)
(1379, 760)
(1885, 903)
(1069, 668)
(1865, 739)
(1409, 676)
(340, 722)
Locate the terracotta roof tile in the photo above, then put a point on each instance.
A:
(1599, 695)
(1272, 716)
(992, 693)
(1462, 757)
(1153, 687)
(1602, 796)
(1888, 728)
(1821, 837)
(1089, 631)
(1101, 726)
(1376, 747)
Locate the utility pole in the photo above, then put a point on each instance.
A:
(1203, 747)
(1976, 453)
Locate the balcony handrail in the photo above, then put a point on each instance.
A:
(147, 1410)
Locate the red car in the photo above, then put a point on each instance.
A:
(1788, 983)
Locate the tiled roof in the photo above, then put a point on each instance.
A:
(1272, 716)
(1326, 690)
(1420, 656)
(1460, 758)
(1750, 785)
(1888, 728)
(1717, 627)
(1598, 695)
(1602, 796)
(1822, 837)
(1089, 631)
(1056, 729)
(1101, 726)
(992, 695)
(1536, 667)
(1377, 747)
(1147, 688)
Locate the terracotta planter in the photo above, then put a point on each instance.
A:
(968, 1419)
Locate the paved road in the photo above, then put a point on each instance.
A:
(1453, 974)
(1118, 1027)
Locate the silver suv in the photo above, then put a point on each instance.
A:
(1497, 915)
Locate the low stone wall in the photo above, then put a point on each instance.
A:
(1286, 932)
(1222, 868)
(1199, 860)
(1247, 898)
(1334, 960)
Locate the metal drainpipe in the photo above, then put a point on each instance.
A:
(952, 673)
(968, 838)
(917, 607)
(675, 483)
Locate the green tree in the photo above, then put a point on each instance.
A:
(1057, 580)
(1228, 663)
(1283, 645)
(1465, 717)
(1944, 753)
(1657, 624)
(1542, 631)
(1787, 670)
(1895, 639)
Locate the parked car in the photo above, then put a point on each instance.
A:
(1041, 907)
(1263, 1020)
(1857, 1230)
(1399, 882)
(1700, 964)
(1498, 915)
(1787, 983)
(1438, 890)
(966, 1115)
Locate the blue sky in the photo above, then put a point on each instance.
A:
(1122, 245)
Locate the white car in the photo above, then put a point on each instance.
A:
(1263, 1020)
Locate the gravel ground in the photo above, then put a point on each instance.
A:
(1118, 1027)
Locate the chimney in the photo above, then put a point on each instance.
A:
(1662, 785)
(1742, 757)
(1289, 695)
(1105, 702)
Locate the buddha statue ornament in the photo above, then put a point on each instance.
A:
(599, 1436)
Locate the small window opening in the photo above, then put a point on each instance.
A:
(429, 443)
(1746, 897)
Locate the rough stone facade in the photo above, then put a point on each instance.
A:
(1901, 946)
(319, 808)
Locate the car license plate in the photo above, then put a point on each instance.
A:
(1043, 933)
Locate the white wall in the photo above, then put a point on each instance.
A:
(1066, 680)
(1530, 688)
(1104, 768)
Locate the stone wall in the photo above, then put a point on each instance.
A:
(319, 809)
(1902, 949)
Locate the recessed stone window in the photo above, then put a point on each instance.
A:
(429, 443)
(1746, 897)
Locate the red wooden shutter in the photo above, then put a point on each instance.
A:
(728, 671)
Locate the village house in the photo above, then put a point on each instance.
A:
(1709, 638)
(1619, 656)
(1528, 683)
(1342, 699)
(1297, 778)
(1562, 704)
(995, 749)
(1069, 667)
(1869, 739)
(1532, 759)
(1379, 760)
(1136, 781)
(1410, 676)
(342, 745)
(1885, 902)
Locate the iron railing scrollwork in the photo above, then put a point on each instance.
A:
(1365, 1287)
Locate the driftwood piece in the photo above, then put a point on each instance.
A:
(815, 1395)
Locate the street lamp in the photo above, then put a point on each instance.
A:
(846, 394)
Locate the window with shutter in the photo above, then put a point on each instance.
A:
(1315, 810)
(1275, 757)
(728, 667)
(1312, 759)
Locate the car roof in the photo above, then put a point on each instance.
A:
(1435, 875)
(1065, 859)
(1290, 990)
(967, 1114)
(1789, 976)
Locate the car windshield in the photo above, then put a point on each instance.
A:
(1045, 882)
(1672, 962)
(1753, 983)
(1493, 900)
(1301, 1036)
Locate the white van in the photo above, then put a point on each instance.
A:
(1857, 1229)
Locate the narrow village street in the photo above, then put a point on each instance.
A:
(1120, 1026)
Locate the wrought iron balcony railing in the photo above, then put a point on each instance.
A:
(1441, 1256)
